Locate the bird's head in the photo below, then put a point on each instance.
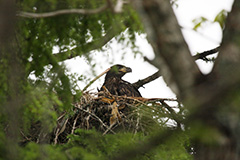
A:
(118, 71)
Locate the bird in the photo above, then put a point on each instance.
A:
(116, 85)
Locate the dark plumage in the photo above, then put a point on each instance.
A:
(116, 86)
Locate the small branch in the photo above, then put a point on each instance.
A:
(206, 53)
(61, 12)
(148, 79)
(174, 115)
(92, 81)
(117, 9)
(93, 115)
(74, 124)
(59, 131)
(141, 82)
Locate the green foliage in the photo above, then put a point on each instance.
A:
(175, 149)
(3, 81)
(39, 107)
(221, 18)
(67, 31)
(3, 148)
(198, 22)
(36, 151)
(89, 144)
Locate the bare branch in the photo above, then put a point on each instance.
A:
(92, 81)
(154, 76)
(61, 12)
(206, 53)
(117, 9)
(141, 82)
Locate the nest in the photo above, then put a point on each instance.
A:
(109, 114)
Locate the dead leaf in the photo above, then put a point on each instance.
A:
(115, 115)
(107, 100)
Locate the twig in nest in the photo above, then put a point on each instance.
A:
(92, 114)
(61, 116)
(108, 93)
(92, 81)
(108, 129)
(141, 99)
(59, 131)
(28, 139)
(74, 124)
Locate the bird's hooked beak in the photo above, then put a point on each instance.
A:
(125, 69)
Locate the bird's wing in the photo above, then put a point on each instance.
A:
(126, 88)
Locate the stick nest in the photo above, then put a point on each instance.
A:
(107, 114)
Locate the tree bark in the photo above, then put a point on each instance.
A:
(11, 77)
(172, 55)
(223, 88)
(206, 97)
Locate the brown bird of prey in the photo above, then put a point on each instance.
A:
(116, 86)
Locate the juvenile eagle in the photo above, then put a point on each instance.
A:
(116, 86)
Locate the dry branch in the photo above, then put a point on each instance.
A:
(116, 9)
(204, 54)
(154, 76)
(61, 12)
(92, 81)
(146, 80)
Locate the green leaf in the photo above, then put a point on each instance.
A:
(221, 18)
(198, 22)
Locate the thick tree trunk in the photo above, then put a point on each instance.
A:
(208, 98)
(11, 77)
(226, 152)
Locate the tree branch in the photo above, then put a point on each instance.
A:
(116, 9)
(204, 54)
(150, 78)
(61, 12)
(154, 76)
(141, 82)
(172, 55)
(61, 56)
(92, 81)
